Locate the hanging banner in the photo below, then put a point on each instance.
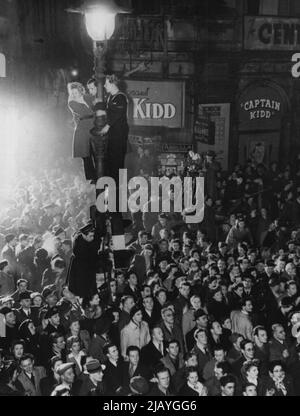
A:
(156, 103)
(211, 130)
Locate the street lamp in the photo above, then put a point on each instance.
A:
(100, 18)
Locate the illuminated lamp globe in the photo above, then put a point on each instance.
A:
(100, 18)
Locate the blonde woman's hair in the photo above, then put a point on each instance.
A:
(75, 86)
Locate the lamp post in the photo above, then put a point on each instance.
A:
(100, 18)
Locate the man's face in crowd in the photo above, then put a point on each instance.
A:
(148, 303)
(164, 246)
(262, 336)
(219, 355)
(69, 376)
(108, 86)
(279, 333)
(192, 361)
(169, 317)
(228, 390)
(176, 246)
(247, 282)
(217, 329)
(218, 296)
(27, 365)
(18, 350)
(92, 89)
(52, 300)
(292, 289)
(250, 391)
(158, 334)
(163, 264)
(202, 322)
(22, 287)
(248, 306)
(13, 242)
(143, 239)
(113, 353)
(239, 291)
(134, 357)
(248, 351)
(173, 349)
(163, 379)
(218, 373)
(129, 304)
(221, 265)
(202, 338)
(290, 269)
(162, 297)
(55, 319)
(60, 343)
(10, 318)
(133, 279)
(184, 290)
(89, 237)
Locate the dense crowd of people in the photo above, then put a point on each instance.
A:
(208, 309)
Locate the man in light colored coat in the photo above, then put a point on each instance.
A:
(240, 320)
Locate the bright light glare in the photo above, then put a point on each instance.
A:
(100, 24)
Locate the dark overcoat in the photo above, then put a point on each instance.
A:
(83, 119)
(82, 269)
(117, 133)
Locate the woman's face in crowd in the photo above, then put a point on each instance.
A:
(252, 372)
(76, 94)
(278, 372)
(75, 326)
(227, 324)
(76, 347)
(196, 302)
(95, 301)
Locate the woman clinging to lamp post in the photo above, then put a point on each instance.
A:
(83, 116)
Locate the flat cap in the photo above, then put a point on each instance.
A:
(61, 369)
(94, 365)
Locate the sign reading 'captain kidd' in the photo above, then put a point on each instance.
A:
(156, 103)
(271, 33)
(261, 108)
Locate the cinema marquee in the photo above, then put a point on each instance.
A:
(271, 33)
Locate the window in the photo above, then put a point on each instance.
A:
(289, 8)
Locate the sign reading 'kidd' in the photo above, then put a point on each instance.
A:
(156, 103)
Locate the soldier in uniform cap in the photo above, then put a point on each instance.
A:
(83, 264)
